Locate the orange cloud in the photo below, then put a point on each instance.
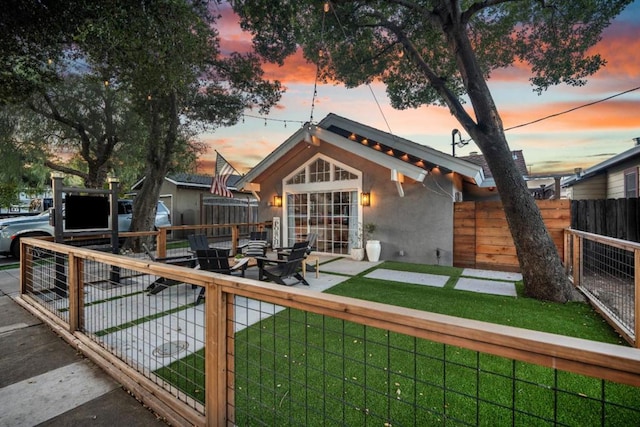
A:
(612, 114)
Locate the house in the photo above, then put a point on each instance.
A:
(615, 178)
(188, 197)
(488, 190)
(333, 177)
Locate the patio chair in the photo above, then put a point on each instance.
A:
(278, 270)
(161, 284)
(198, 242)
(310, 244)
(217, 261)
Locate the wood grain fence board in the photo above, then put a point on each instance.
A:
(489, 232)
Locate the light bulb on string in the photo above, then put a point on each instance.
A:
(326, 7)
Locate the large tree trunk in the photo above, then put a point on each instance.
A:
(163, 135)
(543, 274)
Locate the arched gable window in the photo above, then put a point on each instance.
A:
(322, 197)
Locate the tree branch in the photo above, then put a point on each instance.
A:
(438, 83)
(65, 169)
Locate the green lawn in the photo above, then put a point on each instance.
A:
(296, 368)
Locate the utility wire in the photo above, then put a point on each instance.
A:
(572, 109)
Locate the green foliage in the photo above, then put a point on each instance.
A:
(443, 52)
(371, 42)
(151, 76)
(369, 230)
(8, 194)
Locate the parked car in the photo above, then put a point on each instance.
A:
(13, 229)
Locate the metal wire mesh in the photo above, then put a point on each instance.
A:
(608, 275)
(288, 366)
(47, 280)
(150, 331)
(296, 368)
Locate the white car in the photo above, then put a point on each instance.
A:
(12, 229)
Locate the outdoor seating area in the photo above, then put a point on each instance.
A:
(285, 266)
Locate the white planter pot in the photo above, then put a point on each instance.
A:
(357, 254)
(373, 250)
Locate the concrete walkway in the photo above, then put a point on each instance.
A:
(43, 381)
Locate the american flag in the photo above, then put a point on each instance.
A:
(223, 172)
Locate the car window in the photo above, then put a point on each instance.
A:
(162, 208)
(124, 208)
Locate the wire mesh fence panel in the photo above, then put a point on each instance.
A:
(292, 367)
(312, 359)
(150, 322)
(46, 272)
(608, 276)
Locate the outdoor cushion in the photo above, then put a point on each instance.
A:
(255, 248)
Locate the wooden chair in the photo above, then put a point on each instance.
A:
(310, 244)
(278, 270)
(161, 284)
(217, 260)
(198, 242)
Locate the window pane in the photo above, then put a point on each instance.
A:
(631, 184)
(320, 171)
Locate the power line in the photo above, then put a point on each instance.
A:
(572, 109)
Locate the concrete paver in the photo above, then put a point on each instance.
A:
(486, 286)
(408, 277)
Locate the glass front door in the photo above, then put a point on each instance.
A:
(332, 215)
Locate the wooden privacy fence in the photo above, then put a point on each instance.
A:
(618, 218)
(481, 236)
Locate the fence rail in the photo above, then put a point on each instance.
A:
(605, 269)
(257, 353)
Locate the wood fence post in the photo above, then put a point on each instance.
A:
(74, 285)
(215, 364)
(577, 255)
(161, 242)
(235, 236)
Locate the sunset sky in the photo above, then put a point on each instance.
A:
(580, 138)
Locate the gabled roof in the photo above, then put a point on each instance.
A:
(406, 157)
(602, 167)
(194, 181)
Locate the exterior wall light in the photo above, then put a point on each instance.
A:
(365, 199)
(277, 201)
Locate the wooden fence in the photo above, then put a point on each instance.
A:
(618, 218)
(89, 323)
(481, 236)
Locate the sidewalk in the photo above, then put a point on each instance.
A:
(43, 381)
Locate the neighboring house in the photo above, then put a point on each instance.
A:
(615, 178)
(315, 182)
(185, 195)
(488, 190)
(546, 185)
